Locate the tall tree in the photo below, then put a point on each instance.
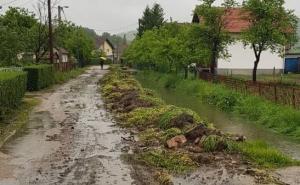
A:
(216, 37)
(271, 27)
(15, 31)
(152, 18)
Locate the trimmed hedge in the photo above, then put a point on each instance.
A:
(12, 90)
(39, 76)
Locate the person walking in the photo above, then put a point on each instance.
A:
(101, 63)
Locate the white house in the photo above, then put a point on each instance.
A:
(107, 47)
(241, 60)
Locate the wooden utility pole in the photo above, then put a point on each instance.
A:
(50, 33)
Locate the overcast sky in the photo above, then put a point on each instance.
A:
(117, 16)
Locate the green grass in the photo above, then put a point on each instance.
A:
(289, 79)
(174, 162)
(264, 155)
(16, 119)
(62, 77)
(282, 119)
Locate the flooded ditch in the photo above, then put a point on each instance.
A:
(226, 122)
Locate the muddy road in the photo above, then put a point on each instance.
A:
(70, 139)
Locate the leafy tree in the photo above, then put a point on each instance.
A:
(76, 40)
(152, 18)
(15, 34)
(216, 37)
(271, 27)
(171, 48)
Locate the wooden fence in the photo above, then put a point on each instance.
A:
(64, 66)
(279, 93)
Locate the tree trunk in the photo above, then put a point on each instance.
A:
(213, 62)
(186, 72)
(255, 70)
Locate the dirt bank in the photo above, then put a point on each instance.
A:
(70, 140)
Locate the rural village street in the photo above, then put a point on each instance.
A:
(70, 140)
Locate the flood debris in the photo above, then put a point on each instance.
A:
(172, 140)
(176, 142)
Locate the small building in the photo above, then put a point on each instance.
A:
(61, 55)
(106, 46)
(241, 60)
(292, 56)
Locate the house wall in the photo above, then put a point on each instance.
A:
(107, 49)
(242, 61)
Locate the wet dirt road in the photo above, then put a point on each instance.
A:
(70, 139)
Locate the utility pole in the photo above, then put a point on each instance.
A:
(50, 33)
(60, 9)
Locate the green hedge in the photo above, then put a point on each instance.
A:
(12, 90)
(39, 76)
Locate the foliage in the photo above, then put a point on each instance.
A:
(152, 18)
(12, 90)
(76, 40)
(214, 143)
(282, 119)
(172, 161)
(39, 76)
(271, 27)
(15, 34)
(215, 35)
(168, 49)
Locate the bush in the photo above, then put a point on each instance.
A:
(39, 76)
(12, 90)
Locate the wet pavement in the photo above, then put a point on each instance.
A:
(70, 139)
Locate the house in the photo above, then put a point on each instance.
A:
(61, 55)
(292, 56)
(106, 46)
(241, 60)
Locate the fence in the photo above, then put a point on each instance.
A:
(64, 66)
(279, 93)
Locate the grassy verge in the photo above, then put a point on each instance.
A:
(16, 119)
(282, 119)
(288, 79)
(62, 77)
(156, 122)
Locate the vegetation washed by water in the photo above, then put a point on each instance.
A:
(282, 119)
(177, 140)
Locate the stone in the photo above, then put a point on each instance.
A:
(176, 141)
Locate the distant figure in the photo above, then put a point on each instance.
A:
(101, 63)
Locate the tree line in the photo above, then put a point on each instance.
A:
(23, 32)
(173, 47)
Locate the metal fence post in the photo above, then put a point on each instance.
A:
(294, 98)
(275, 93)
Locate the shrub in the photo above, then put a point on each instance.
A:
(12, 90)
(39, 76)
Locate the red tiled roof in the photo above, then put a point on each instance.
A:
(234, 20)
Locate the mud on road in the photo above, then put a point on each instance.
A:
(70, 139)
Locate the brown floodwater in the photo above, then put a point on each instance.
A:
(227, 122)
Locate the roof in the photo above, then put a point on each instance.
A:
(100, 41)
(233, 19)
